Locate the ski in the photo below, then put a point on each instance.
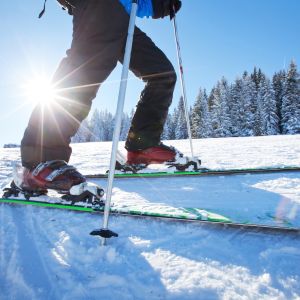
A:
(200, 172)
(187, 215)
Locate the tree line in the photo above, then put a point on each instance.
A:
(253, 105)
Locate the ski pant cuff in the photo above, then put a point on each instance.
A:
(33, 155)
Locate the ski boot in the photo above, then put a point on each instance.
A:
(54, 175)
(160, 154)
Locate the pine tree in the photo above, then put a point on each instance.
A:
(200, 121)
(107, 125)
(214, 109)
(291, 102)
(96, 126)
(269, 110)
(173, 124)
(181, 127)
(225, 120)
(126, 121)
(278, 84)
(234, 100)
(247, 107)
(211, 99)
(169, 129)
(255, 77)
(219, 110)
(83, 134)
(196, 116)
(258, 80)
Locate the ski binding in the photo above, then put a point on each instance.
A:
(181, 163)
(84, 192)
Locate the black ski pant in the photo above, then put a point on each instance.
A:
(99, 37)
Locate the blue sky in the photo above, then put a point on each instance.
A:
(218, 38)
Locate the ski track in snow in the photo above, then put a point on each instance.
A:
(49, 254)
(30, 262)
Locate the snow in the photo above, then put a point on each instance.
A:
(49, 254)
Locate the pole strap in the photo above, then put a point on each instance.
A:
(43, 10)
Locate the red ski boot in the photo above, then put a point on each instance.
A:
(160, 154)
(54, 175)
(154, 155)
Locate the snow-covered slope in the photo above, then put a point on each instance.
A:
(48, 254)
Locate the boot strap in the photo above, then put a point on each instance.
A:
(59, 172)
(59, 167)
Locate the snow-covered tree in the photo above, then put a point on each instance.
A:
(248, 106)
(169, 129)
(107, 125)
(181, 127)
(257, 77)
(126, 121)
(200, 120)
(196, 117)
(278, 84)
(270, 120)
(83, 134)
(96, 126)
(291, 102)
(219, 110)
(234, 99)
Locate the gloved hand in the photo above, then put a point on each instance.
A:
(175, 5)
(164, 8)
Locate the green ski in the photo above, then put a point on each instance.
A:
(201, 172)
(168, 213)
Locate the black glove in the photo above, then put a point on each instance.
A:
(175, 5)
(164, 8)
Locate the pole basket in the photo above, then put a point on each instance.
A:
(104, 233)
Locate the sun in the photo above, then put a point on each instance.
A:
(39, 90)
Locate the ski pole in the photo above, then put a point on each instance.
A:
(105, 232)
(183, 90)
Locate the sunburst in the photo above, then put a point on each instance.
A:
(39, 90)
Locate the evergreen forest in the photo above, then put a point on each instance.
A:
(253, 105)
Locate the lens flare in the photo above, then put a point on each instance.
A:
(39, 91)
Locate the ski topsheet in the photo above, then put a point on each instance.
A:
(181, 214)
(202, 172)
(161, 211)
(123, 170)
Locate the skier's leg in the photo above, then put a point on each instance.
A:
(99, 34)
(150, 64)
